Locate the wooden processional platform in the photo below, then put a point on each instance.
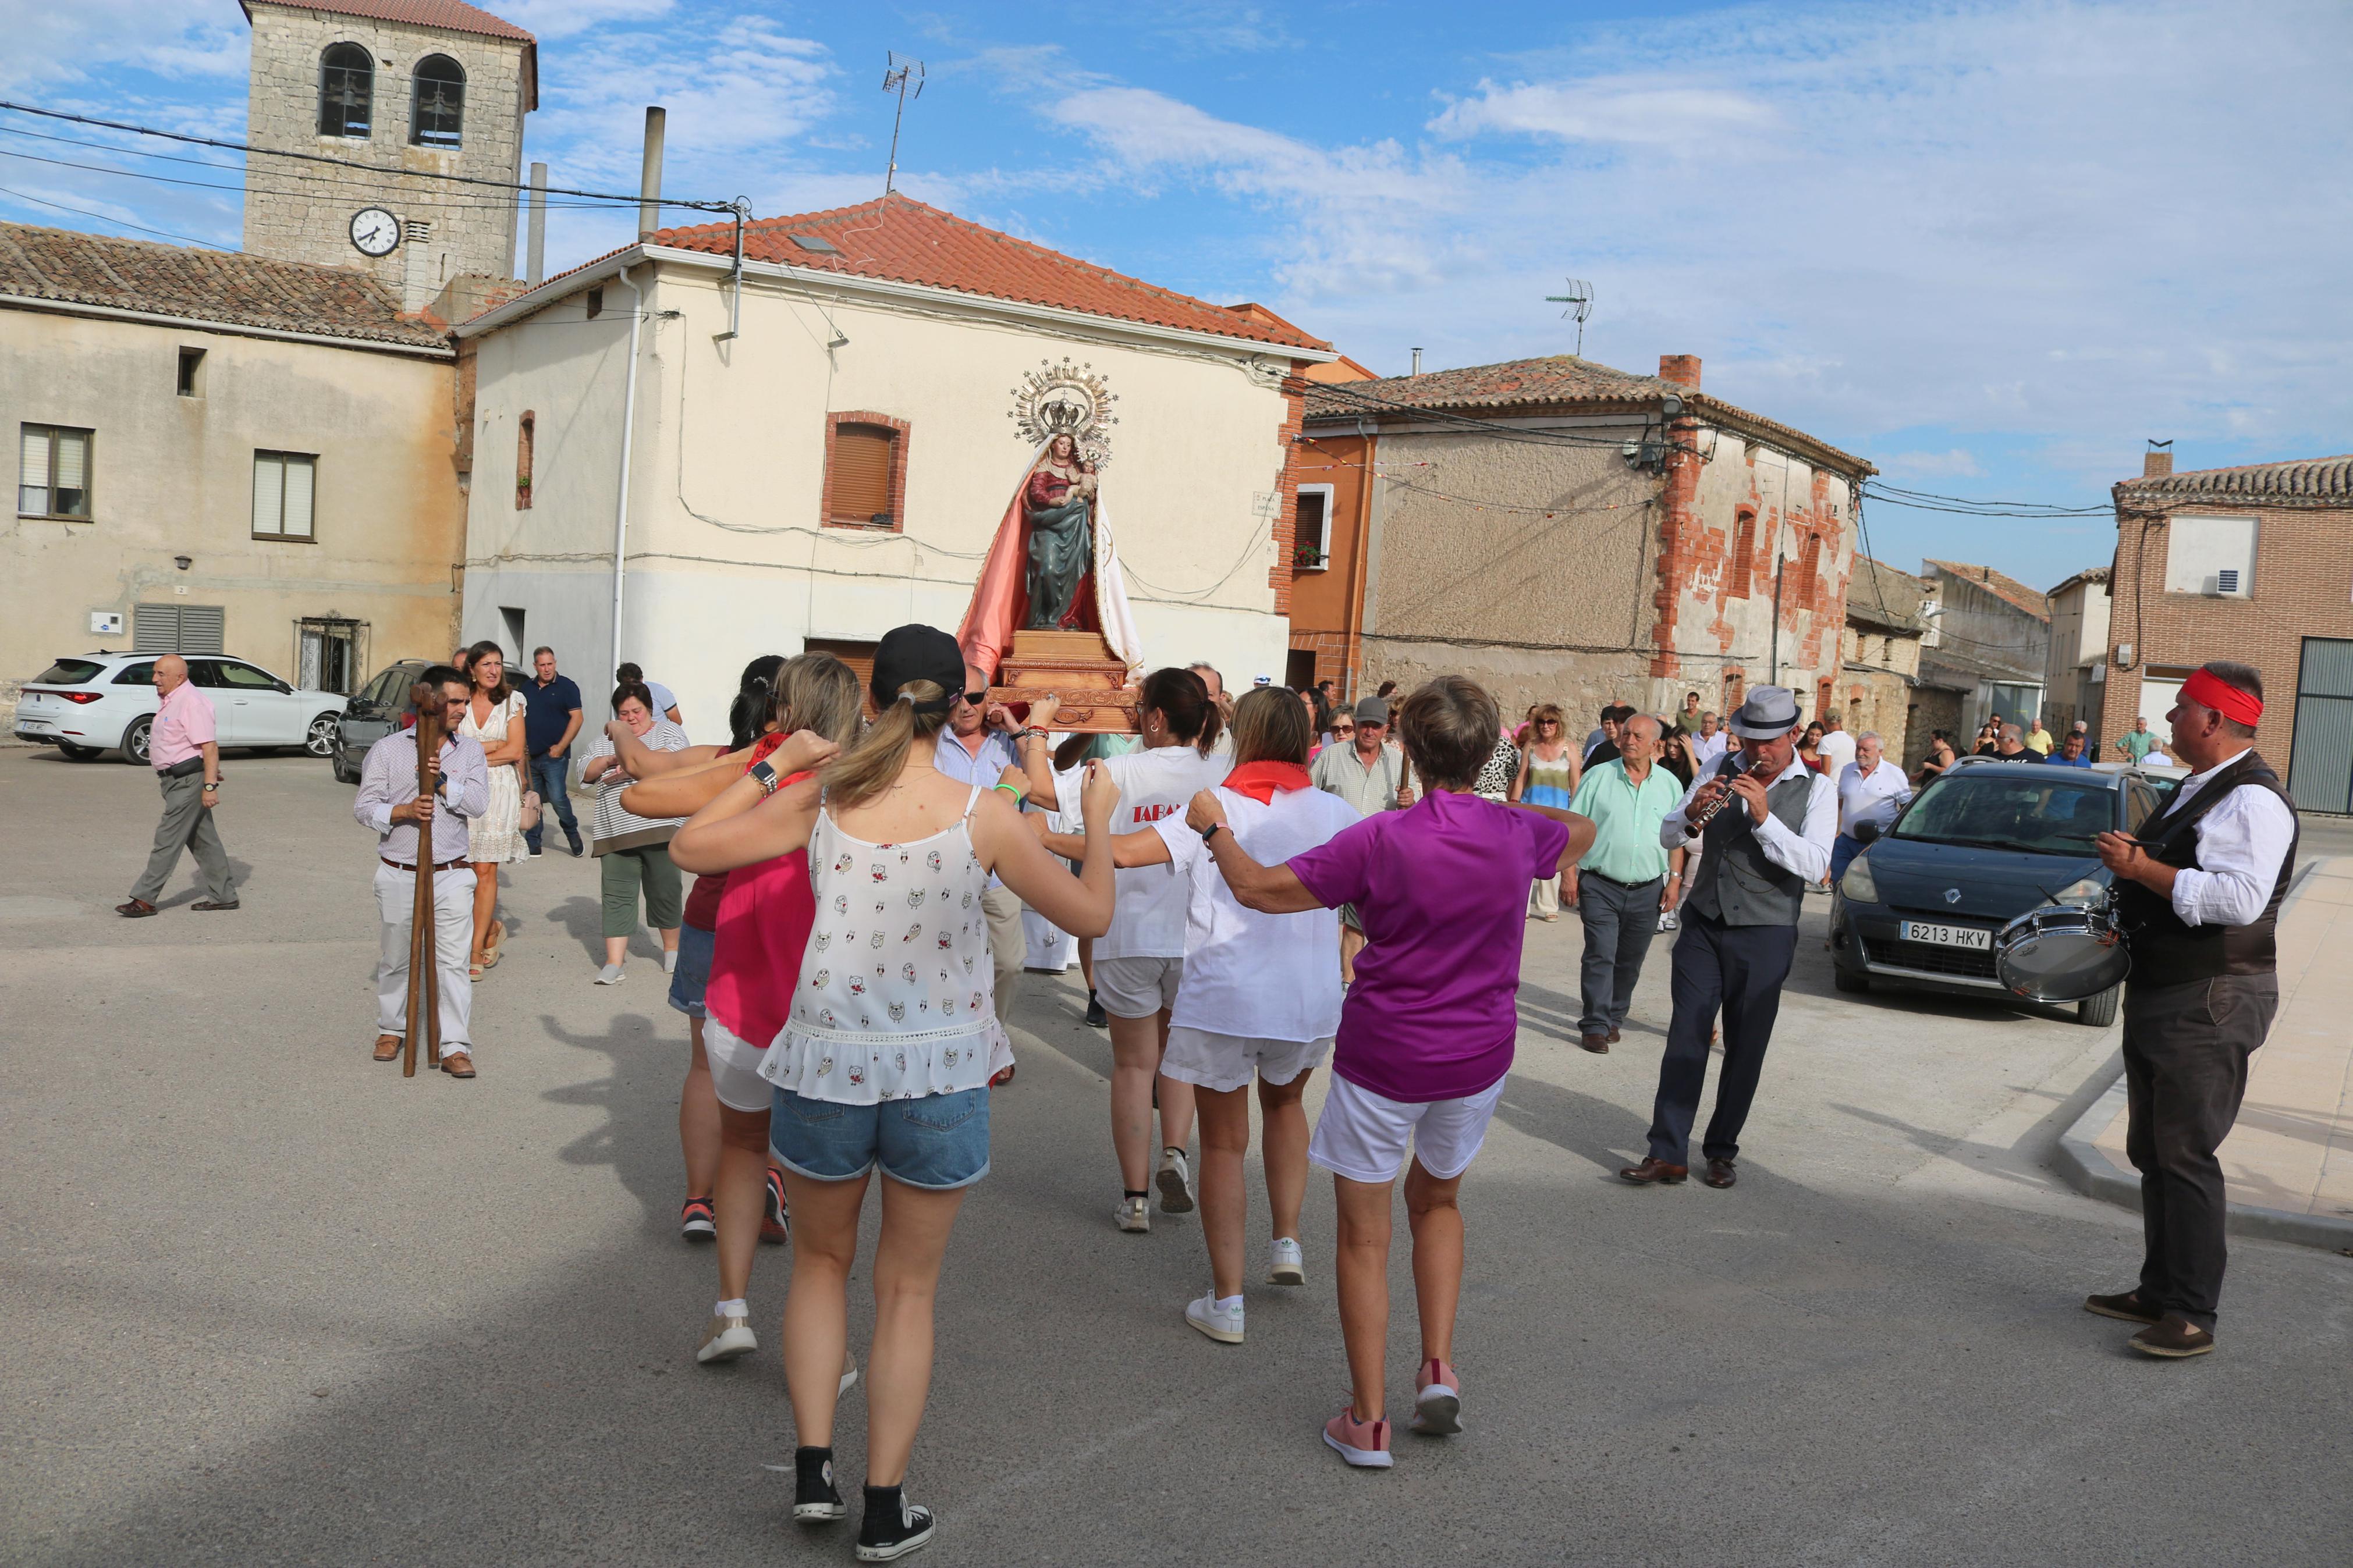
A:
(1079, 670)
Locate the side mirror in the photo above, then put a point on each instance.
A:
(283, 690)
(1866, 833)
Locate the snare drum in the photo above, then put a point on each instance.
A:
(2061, 952)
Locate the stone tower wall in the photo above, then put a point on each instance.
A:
(299, 211)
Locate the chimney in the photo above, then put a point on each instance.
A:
(649, 179)
(1417, 363)
(536, 273)
(1681, 369)
(2157, 461)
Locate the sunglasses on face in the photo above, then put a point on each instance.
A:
(1344, 728)
(974, 698)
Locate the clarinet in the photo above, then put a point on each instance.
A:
(1728, 768)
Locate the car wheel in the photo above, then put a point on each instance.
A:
(2099, 1012)
(74, 753)
(1850, 984)
(321, 739)
(344, 775)
(134, 739)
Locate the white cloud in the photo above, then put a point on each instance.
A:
(50, 43)
(1956, 464)
(1654, 109)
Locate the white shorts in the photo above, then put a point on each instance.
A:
(736, 1069)
(1361, 1135)
(1137, 987)
(1225, 1062)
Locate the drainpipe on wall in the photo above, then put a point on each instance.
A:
(628, 443)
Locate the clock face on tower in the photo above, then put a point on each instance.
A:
(374, 231)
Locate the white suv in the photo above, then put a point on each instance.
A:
(104, 701)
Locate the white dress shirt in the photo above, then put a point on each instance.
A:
(1874, 798)
(2240, 845)
(1806, 852)
(1706, 749)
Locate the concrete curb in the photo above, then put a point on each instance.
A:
(2088, 1170)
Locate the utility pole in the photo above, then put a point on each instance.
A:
(894, 79)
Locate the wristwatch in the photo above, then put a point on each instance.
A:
(763, 776)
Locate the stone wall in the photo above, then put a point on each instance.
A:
(302, 211)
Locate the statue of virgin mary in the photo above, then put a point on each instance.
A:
(1050, 567)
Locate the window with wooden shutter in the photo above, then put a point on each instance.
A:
(1744, 549)
(859, 656)
(53, 472)
(857, 480)
(1809, 569)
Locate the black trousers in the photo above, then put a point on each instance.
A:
(1738, 969)
(2186, 1050)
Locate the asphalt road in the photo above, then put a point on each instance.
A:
(266, 1302)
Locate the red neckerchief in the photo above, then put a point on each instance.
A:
(1260, 780)
(764, 747)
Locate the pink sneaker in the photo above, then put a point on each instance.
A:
(1437, 1411)
(1363, 1442)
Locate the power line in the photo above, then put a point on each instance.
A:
(251, 183)
(109, 217)
(183, 137)
(1924, 501)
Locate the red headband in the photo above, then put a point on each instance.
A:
(2209, 690)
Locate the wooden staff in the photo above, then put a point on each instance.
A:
(424, 982)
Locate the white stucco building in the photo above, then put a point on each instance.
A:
(830, 456)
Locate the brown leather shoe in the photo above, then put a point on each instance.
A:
(2127, 1306)
(387, 1048)
(1720, 1173)
(458, 1064)
(136, 909)
(2171, 1338)
(209, 906)
(1654, 1171)
(1598, 1044)
(1613, 1036)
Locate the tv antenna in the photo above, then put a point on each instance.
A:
(1579, 300)
(894, 79)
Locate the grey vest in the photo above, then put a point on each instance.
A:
(1737, 885)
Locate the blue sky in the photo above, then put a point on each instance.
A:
(1991, 246)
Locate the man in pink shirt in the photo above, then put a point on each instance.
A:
(182, 745)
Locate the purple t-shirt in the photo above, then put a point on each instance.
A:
(1443, 891)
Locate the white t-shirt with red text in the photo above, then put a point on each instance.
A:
(1148, 915)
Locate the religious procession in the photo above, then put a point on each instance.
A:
(1174, 784)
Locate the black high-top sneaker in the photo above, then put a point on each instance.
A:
(892, 1527)
(814, 1499)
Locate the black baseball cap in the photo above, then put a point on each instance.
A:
(912, 653)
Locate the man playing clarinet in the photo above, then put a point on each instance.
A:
(391, 805)
(1765, 821)
(2198, 895)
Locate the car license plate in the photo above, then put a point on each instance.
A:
(1945, 936)
(30, 722)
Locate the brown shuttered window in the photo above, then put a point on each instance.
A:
(859, 656)
(1744, 546)
(858, 482)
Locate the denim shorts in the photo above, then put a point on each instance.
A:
(939, 1142)
(688, 981)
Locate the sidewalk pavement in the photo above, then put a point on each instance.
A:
(2289, 1160)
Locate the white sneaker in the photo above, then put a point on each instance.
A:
(1285, 1265)
(610, 975)
(1175, 1182)
(727, 1337)
(1223, 1324)
(1132, 1214)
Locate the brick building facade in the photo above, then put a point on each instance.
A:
(2250, 563)
(1563, 532)
(412, 88)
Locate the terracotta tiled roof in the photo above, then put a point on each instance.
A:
(2032, 600)
(451, 15)
(2307, 481)
(1880, 595)
(2095, 576)
(203, 285)
(899, 239)
(1556, 381)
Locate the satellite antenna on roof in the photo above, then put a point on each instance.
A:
(1579, 300)
(894, 79)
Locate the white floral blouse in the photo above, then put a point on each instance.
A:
(896, 998)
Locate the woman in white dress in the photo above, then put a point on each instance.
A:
(494, 716)
(886, 1058)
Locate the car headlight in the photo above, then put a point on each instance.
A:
(2089, 890)
(1858, 885)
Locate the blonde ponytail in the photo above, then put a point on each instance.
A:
(869, 768)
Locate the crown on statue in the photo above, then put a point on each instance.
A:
(1062, 417)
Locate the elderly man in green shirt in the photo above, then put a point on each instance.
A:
(1626, 881)
(2137, 745)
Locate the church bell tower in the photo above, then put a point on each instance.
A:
(412, 89)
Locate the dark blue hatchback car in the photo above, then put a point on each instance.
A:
(1981, 845)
